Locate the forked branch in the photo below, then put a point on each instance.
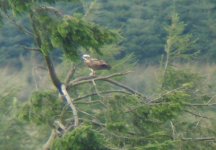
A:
(89, 79)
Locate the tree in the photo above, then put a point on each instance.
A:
(179, 45)
(52, 29)
(100, 112)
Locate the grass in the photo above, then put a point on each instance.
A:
(146, 79)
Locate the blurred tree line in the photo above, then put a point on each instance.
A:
(142, 24)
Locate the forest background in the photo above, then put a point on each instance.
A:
(167, 46)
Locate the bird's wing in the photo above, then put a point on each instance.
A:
(97, 64)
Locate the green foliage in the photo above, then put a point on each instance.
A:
(180, 78)
(123, 121)
(158, 146)
(73, 33)
(43, 108)
(81, 138)
(169, 106)
(178, 45)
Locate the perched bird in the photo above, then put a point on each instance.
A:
(95, 64)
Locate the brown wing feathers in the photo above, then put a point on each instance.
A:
(97, 64)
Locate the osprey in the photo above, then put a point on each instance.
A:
(95, 64)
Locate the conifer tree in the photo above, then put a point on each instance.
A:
(179, 45)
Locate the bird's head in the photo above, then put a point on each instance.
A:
(86, 57)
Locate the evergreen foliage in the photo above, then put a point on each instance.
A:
(101, 116)
(43, 108)
(82, 138)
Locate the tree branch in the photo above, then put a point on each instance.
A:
(88, 10)
(53, 74)
(20, 27)
(105, 92)
(124, 87)
(89, 79)
(52, 137)
(70, 74)
(50, 9)
(173, 130)
(70, 102)
(197, 104)
(32, 49)
(197, 115)
(82, 80)
(199, 139)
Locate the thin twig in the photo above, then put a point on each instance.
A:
(60, 125)
(211, 99)
(70, 74)
(84, 80)
(87, 114)
(197, 104)
(124, 87)
(20, 27)
(32, 49)
(164, 94)
(49, 9)
(197, 115)
(70, 102)
(199, 139)
(87, 79)
(91, 6)
(173, 130)
(95, 87)
(52, 137)
(105, 92)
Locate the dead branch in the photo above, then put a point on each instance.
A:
(164, 94)
(70, 74)
(70, 102)
(197, 104)
(199, 139)
(52, 137)
(87, 11)
(124, 87)
(173, 130)
(105, 92)
(89, 79)
(32, 49)
(60, 125)
(88, 114)
(20, 27)
(82, 80)
(197, 115)
(49, 9)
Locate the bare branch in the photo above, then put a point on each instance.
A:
(88, 114)
(105, 92)
(50, 9)
(199, 139)
(173, 130)
(32, 49)
(204, 104)
(197, 115)
(89, 78)
(70, 74)
(70, 102)
(52, 137)
(189, 104)
(88, 10)
(124, 87)
(19, 26)
(164, 94)
(60, 125)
